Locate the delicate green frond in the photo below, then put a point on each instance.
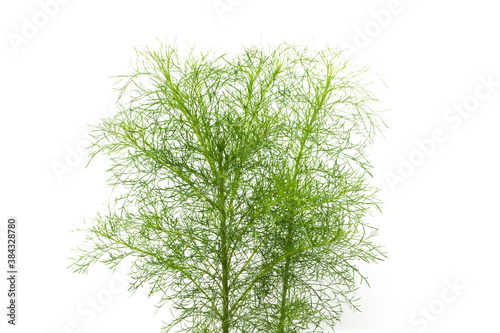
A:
(243, 184)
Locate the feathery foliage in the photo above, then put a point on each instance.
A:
(244, 187)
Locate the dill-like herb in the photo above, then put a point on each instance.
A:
(244, 181)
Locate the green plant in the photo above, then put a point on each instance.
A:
(243, 185)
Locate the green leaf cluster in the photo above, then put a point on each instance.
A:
(244, 187)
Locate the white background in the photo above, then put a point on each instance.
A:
(440, 223)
